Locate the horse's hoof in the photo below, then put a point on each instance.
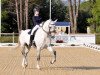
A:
(38, 67)
(52, 61)
(24, 66)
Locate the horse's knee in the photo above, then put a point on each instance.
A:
(24, 53)
(55, 53)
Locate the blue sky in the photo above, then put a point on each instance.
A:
(76, 0)
(65, 1)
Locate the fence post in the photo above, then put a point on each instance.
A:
(13, 37)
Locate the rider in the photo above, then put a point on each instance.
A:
(36, 19)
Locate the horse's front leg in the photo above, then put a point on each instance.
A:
(53, 54)
(24, 53)
(38, 58)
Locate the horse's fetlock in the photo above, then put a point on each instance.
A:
(38, 59)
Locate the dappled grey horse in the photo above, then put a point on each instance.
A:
(41, 39)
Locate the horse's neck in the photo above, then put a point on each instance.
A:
(46, 28)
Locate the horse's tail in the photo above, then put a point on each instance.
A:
(18, 44)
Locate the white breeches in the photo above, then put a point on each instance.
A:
(36, 27)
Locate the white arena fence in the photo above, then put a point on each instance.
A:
(75, 39)
(61, 39)
(8, 38)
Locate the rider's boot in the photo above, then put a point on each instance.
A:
(31, 40)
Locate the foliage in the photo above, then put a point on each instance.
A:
(95, 19)
(97, 38)
(84, 13)
(82, 21)
(9, 23)
(90, 16)
(59, 10)
(86, 7)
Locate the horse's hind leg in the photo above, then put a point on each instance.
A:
(24, 53)
(38, 57)
(53, 53)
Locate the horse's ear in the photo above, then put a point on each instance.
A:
(55, 21)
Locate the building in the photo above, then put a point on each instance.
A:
(62, 26)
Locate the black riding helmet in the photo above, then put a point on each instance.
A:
(36, 9)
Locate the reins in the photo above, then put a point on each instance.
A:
(44, 30)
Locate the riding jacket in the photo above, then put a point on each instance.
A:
(36, 20)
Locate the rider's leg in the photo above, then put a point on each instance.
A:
(36, 27)
(31, 36)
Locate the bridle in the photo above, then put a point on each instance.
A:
(48, 27)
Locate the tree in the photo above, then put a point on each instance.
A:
(94, 20)
(17, 12)
(71, 15)
(8, 17)
(84, 14)
(10, 14)
(73, 11)
(21, 21)
(26, 13)
(58, 10)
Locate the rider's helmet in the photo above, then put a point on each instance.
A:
(36, 9)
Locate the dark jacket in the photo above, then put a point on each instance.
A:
(36, 20)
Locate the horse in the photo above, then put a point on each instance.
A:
(41, 42)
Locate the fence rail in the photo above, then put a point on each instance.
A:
(13, 37)
(9, 33)
(8, 37)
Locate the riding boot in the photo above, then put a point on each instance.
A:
(31, 40)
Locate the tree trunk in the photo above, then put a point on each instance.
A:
(26, 8)
(77, 11)
(73, 11)
(74, 14)
(21, 14)
(71, 15)
(16, 2)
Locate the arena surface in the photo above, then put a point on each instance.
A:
(70, 61)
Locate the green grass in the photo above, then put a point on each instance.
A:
(97, 38)
(8, 39)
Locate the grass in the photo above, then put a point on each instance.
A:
(97, 38)
(8, 39)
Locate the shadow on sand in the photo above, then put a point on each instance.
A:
(72, 68)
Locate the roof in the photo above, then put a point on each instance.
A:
(66, 24)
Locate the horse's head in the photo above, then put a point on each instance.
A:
(49, 26)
